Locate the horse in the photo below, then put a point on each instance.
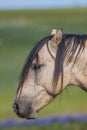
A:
(55, 62)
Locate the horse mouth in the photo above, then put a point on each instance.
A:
(32, 115)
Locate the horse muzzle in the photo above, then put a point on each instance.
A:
(28, 114)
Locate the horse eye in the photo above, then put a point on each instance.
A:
(36, 66)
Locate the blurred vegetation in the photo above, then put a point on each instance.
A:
(19, 32)
(69, 126)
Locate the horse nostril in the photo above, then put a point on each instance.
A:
(30, 109)
(15, 107)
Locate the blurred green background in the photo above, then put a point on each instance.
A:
(19, 32)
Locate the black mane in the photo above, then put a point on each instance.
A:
(69, 44)
(67, 49)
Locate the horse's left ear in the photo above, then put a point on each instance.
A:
(58, 37)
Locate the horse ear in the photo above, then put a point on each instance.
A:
(54, 31)
(57, 36)
(53, 43)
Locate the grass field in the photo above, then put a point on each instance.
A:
(19, 32)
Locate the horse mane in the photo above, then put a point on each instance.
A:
(66, 50)
(69, 44)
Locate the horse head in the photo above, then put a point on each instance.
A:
(55, 62)
(35, 87)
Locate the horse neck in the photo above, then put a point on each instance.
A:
(72, 76)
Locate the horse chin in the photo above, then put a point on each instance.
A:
(32, 115)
